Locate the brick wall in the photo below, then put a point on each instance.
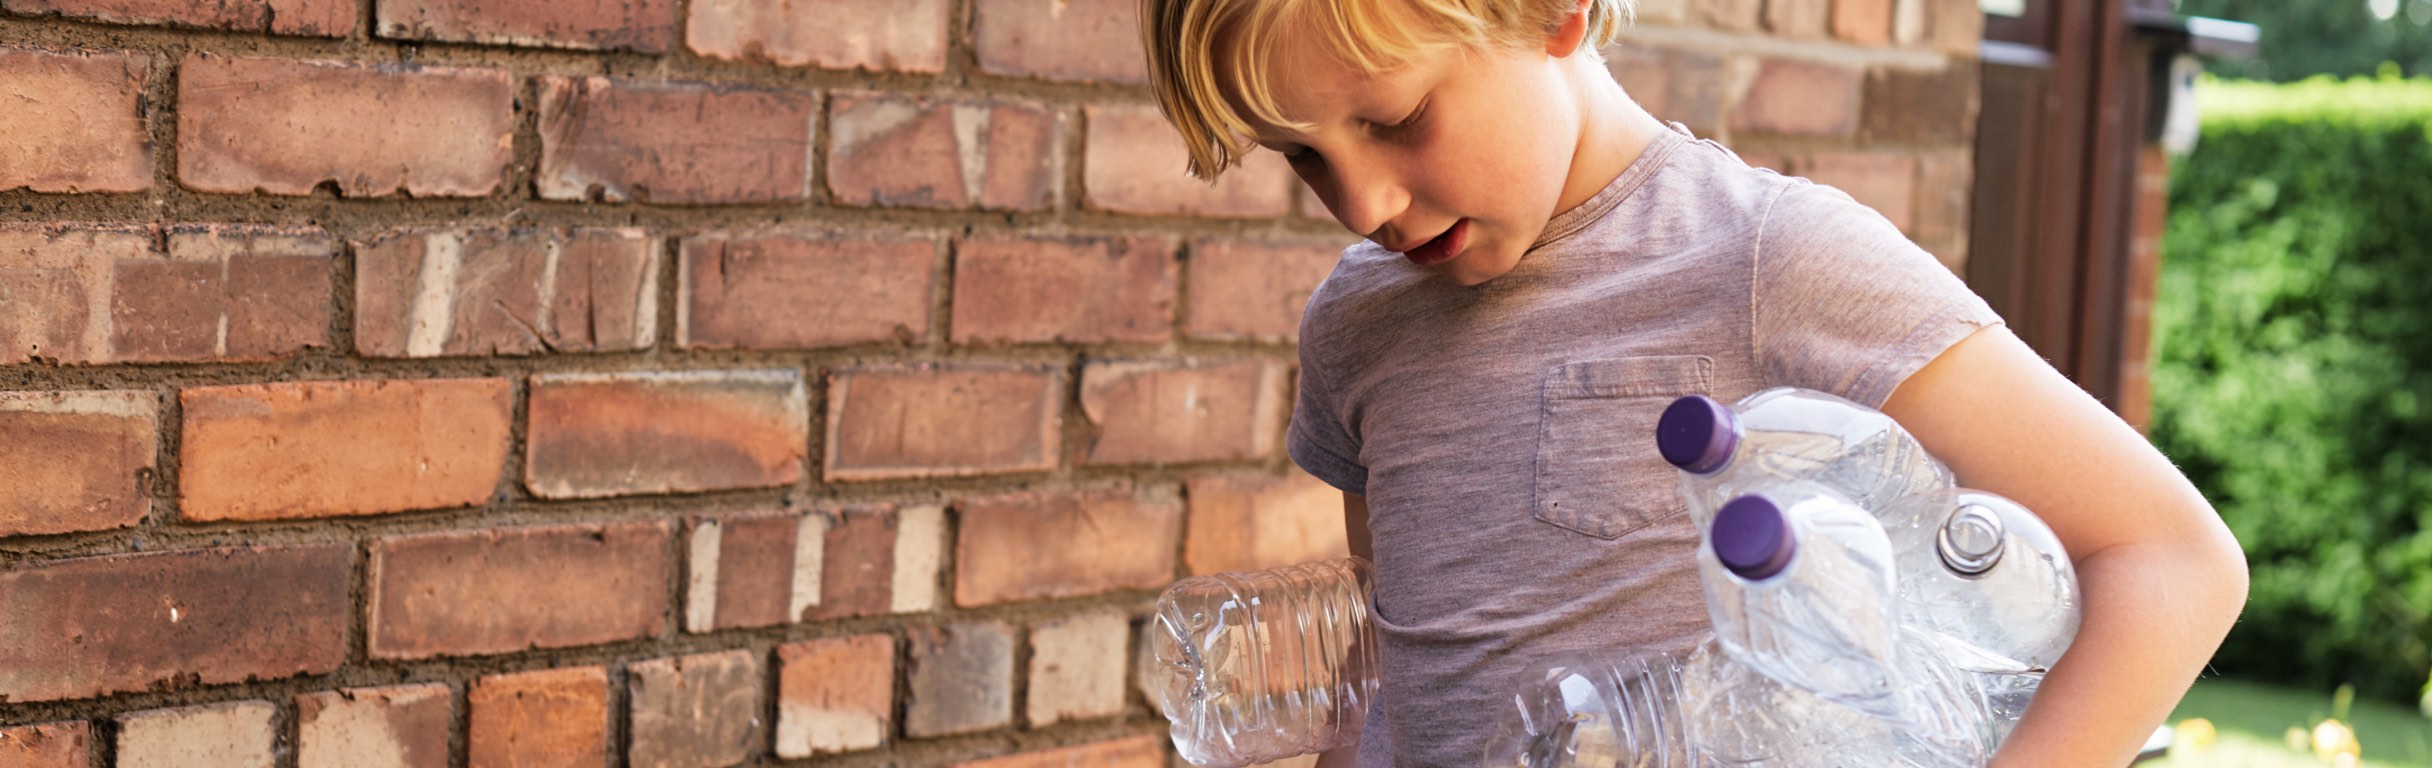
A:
(691, 382)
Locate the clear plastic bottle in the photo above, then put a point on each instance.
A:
(1799, 583)
(1785, 433)
(1594, 711)
(1261, 666)
(1987, 576)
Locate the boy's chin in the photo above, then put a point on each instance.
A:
(1474, 269)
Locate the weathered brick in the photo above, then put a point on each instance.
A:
(961, 677)
(1135, 752)
(595, 435)
(1174, 411)
(1249, 291)
(803, 290)
(1865, 22)
(1926, 107)
(464, 593)
(916, 152)
(1074, 290)
(659, 142)
(404, 726)
(930, 421)
(549, 718)
(754, 570)
(239, 734)
(634, 25)
(879, 559)
(338, 448)
(433, 292)
(1135, 163)
(1884, 181)
(700, 711)
(1255, 522)
(1799, 18)
(316, 18)
(1790, 96)
(75, 121)
(1945, 192)
(90, 626)
(835, 695)
(1681, 84)
(55, 288)
(48, 745)
(1087, 40)
(1035, 545)
(283, 127)
(103, 293)
(1076, 668)
(75, 461)
(1735, 15)
(877, 35)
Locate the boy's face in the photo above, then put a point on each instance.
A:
(1456, 161)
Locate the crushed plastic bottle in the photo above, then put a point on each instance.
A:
(1799, 583)
(1260, 666)
(1991, 579)
(1789, 434)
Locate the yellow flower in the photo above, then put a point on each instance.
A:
(2195, 733)
(2333, 739)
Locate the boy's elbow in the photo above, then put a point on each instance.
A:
(2222, 568)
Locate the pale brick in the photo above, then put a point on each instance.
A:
(317, 18)
(339, 448)
(595, 435)
(1799, 18)
(1037, 545)
(920, 553)
(1079, 40)
(75, 121)
(1865, 22)
(1135, 752)
(80, 293)
(636, 25)
(1077, 666)
(240, 734)
(1243, 523)
(961, 678)
(283, 127)
(1884, 181)
(1955, 27)
(402, 726)
(1177, 411)
(1134, 163)
(897, 150)
(877, 35)
(930, 421)
(1071, 290)
(434, 292)
(803, 290)
(47, 745)
(75, 461)
(701, 711)
(1790, 96)
(835, 695)
(1734, 15)
(550, 718)
(660, 142)
(1249, 291)
(463, 593)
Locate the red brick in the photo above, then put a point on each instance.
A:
(1865, 22)
(48, 745)
(595, 435)
(102, 293)
(282, 127)
(1077, 666)
(753, 570)
(1884, 181)
(404, 726)
(465, 593)
(1255, 522)
(1074, 290)
(75, 461)
(1248, 291)
(879, 559)
(803, 290)
(1678, 84)
(1790, 96)
(835, 695)
(84, 627)
(316, 18)
(1799, 18)
(549, 718)
(928, 421)
(1736, 15)
(1087, 40)
(891, 35)
(1925, 107)
(656, 142)
(634, 25)
(701, 711)
(434, 292)
(1956, 27)
(340, 448)
(1174, 411)
(239, 734)
(1135, 752)
(75, 121)
(908, 151)
(962, 679)
(1945, 192)
(1135, 163)
(1030, 546)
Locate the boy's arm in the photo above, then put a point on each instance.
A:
(1355, 533)
(2161, 578)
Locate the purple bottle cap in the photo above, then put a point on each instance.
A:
(1752, 538)
(1697, 433)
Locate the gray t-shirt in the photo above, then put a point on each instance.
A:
(1503, 434)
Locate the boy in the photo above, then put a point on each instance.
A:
(1546, 267)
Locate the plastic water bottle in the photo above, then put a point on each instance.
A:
(1799, 583)
(1592, 711)
(1787, 433)
(1989, 578)
(1261, 666)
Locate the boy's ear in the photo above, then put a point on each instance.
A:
(1572, 33)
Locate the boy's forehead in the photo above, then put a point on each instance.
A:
(1312, 83)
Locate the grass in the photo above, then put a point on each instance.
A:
(2253, 720)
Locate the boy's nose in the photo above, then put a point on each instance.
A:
(1369, 206)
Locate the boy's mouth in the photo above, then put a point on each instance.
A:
(1442, 249)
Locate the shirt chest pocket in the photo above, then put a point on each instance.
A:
(1598, 472)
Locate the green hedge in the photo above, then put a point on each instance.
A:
(2294, 373)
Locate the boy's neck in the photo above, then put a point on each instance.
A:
(1613, 132)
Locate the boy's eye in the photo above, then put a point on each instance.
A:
(1408, 124)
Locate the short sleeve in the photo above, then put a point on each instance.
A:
(1842, 302)
(1319, 440)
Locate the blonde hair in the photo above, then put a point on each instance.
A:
(1207, 59)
